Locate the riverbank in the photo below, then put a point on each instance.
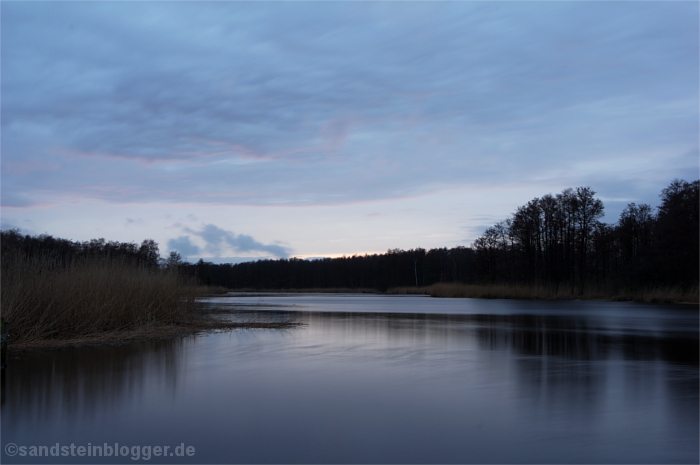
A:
(47, 303)
(199, 325)
(495, 291)
(202, 320)
(654, 295)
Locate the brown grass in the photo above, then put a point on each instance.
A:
(196, 325)
(98, 301)
(211, 290)
(675, 294)
(312, 290)
(495, 291)
(42, 301)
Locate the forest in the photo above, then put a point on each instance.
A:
(556, 241)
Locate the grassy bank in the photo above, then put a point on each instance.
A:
(500, 291)
(656, 295)
(311, 290)
(97, 300)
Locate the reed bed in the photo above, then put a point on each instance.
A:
(501, 291)
(44, 301)
(312, 290)
(672, 294)
(211, 290)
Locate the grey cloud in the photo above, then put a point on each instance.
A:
(323, 103)
(218, 240)
(14, 199)
(184, 246)
(131, 221)
(6, 225)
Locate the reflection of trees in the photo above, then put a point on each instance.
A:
(565, 368)
(80, 382)
(684, 401)
(560, 367)
(577, 339)
(569, 337)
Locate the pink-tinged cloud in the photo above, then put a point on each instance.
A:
(23, 168)
(143, 160)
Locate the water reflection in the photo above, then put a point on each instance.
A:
(77, 383)
(569, 337)
(373, 387)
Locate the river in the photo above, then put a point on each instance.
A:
(373, 379)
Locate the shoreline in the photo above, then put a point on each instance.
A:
(147, 333)
(203, 322)
(515, 292)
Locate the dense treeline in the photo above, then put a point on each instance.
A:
(556, 241)
(559, 241)
(62, 252)
(416, 267)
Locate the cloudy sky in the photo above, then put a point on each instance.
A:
(241, 130)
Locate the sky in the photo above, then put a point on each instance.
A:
(236, 131)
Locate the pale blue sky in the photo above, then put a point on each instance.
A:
(269, 129)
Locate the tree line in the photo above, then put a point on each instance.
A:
(556, 241)
(559, 241)
(56, 252)
(415, 267)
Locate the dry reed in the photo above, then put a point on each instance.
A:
(500, 291)
(42, 300)
(212, 290)
(675, 294)
(311, 290)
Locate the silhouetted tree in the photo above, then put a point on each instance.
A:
(559, 240)
(148, 253)
(676, 246)
(174, 260)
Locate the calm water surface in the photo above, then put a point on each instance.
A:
(378, 379)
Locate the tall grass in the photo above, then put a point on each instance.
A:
(312, 290)
(501, 291)
(42, 300)
(672, 294)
